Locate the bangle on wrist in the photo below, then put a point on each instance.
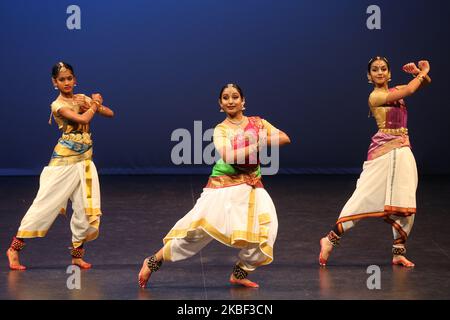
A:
(90, 109)
(420, 78)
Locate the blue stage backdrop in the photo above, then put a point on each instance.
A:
(159, 65)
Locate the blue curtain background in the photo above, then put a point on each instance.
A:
(159, 65)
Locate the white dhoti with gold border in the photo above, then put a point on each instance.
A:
(77, 182)
(386, 189)
(238, 216)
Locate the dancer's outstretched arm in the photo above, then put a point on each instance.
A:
(409, 89)
(411, 68)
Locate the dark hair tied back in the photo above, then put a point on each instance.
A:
(375, 59)
(232, 85)
(61, 66)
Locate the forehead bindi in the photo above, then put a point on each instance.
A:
(379, 64)
(230, 92)
(65, 74)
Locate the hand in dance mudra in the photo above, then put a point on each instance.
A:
(80, 100)
(97, 97)
(84, 106)
(424, 65)
(411, 67)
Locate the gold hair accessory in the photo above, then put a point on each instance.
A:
(62, 68)
(378, 58)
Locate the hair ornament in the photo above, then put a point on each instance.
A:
(62, 67)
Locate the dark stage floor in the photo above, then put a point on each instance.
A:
(140, 210)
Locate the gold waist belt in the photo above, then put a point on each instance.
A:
(395, 132)
(84, 137)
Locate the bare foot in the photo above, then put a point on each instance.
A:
(13, 258)
(402, 261)
(144, 274)
(325, 250)
(243, 282)
(81, 263)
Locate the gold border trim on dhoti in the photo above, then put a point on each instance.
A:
(403, 234)
(388, 210)
(238, 238)
(31, 234)
(93, 214)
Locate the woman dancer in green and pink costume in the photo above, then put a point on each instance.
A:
(234, 207)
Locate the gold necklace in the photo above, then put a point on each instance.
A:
(72, 99)
(236, 123)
